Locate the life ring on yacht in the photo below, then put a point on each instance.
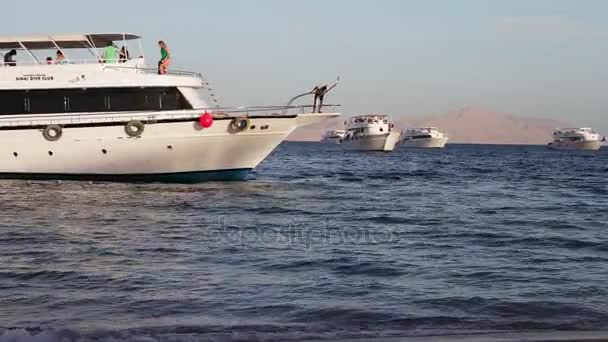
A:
(134, 128)
(240, 124)
(52, 132)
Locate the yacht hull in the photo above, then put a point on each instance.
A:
(425, 143)
(336, 140)
(176, 177)
(380, 142)
(180, 152)
(575, 146)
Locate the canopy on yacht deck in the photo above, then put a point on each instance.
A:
(64, 41)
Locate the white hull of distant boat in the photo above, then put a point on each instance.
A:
(425, 143)
(332, 140)
(380, 142)
(575, 139)
(333, 137)
(87, 120)
(575, 145)
(373, 132)
(427, 137)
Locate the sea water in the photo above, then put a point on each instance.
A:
(319, 244)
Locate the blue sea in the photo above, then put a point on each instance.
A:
(319, 244)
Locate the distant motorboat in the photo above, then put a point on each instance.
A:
(373, 132)
(426, 137)
(576, 139)
(334, 136)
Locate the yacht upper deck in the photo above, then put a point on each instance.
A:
(566, 131)
(368, 120)
(34, 64)
(35, 49)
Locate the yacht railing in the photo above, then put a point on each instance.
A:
(218, 113)
(151, 70)
(118, 66)
(43, 62)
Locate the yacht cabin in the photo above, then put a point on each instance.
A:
(36, 81)
(374, 124)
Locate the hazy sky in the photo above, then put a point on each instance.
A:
(545, 58)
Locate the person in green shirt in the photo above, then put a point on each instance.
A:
(110, 53)
(165, 58)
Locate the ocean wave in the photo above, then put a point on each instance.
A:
(371, 269)
(537, 313)
(43, 275)
(179, 335)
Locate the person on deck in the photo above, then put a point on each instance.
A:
(165, 58)
(110, 53)
(60, 58)
(49, 61)
(319, 92)
(124, 54)
(9, 58)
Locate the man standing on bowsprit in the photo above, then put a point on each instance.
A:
(319, 92)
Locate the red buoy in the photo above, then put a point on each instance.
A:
(206, 120)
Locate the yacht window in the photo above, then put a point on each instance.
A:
(12, 103)
(147, 99)
(171, 99)
(46, 101)
(91, 100)
(124, 100)
(85, 101)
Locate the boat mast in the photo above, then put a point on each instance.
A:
(92, 48)
(36, 60)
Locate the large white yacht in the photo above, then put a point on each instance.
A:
(117, 120)
(584, 139)
(426, 137)
(373, 132)
(334, 136)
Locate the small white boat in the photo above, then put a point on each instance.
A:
(575, 139)
(426, 137)
(370, 133)
(334, 136)
(118, 120)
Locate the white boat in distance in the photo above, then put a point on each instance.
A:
(373, 132)
(334, 136)
(426, 137)
(109, 120)
(582, 139)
